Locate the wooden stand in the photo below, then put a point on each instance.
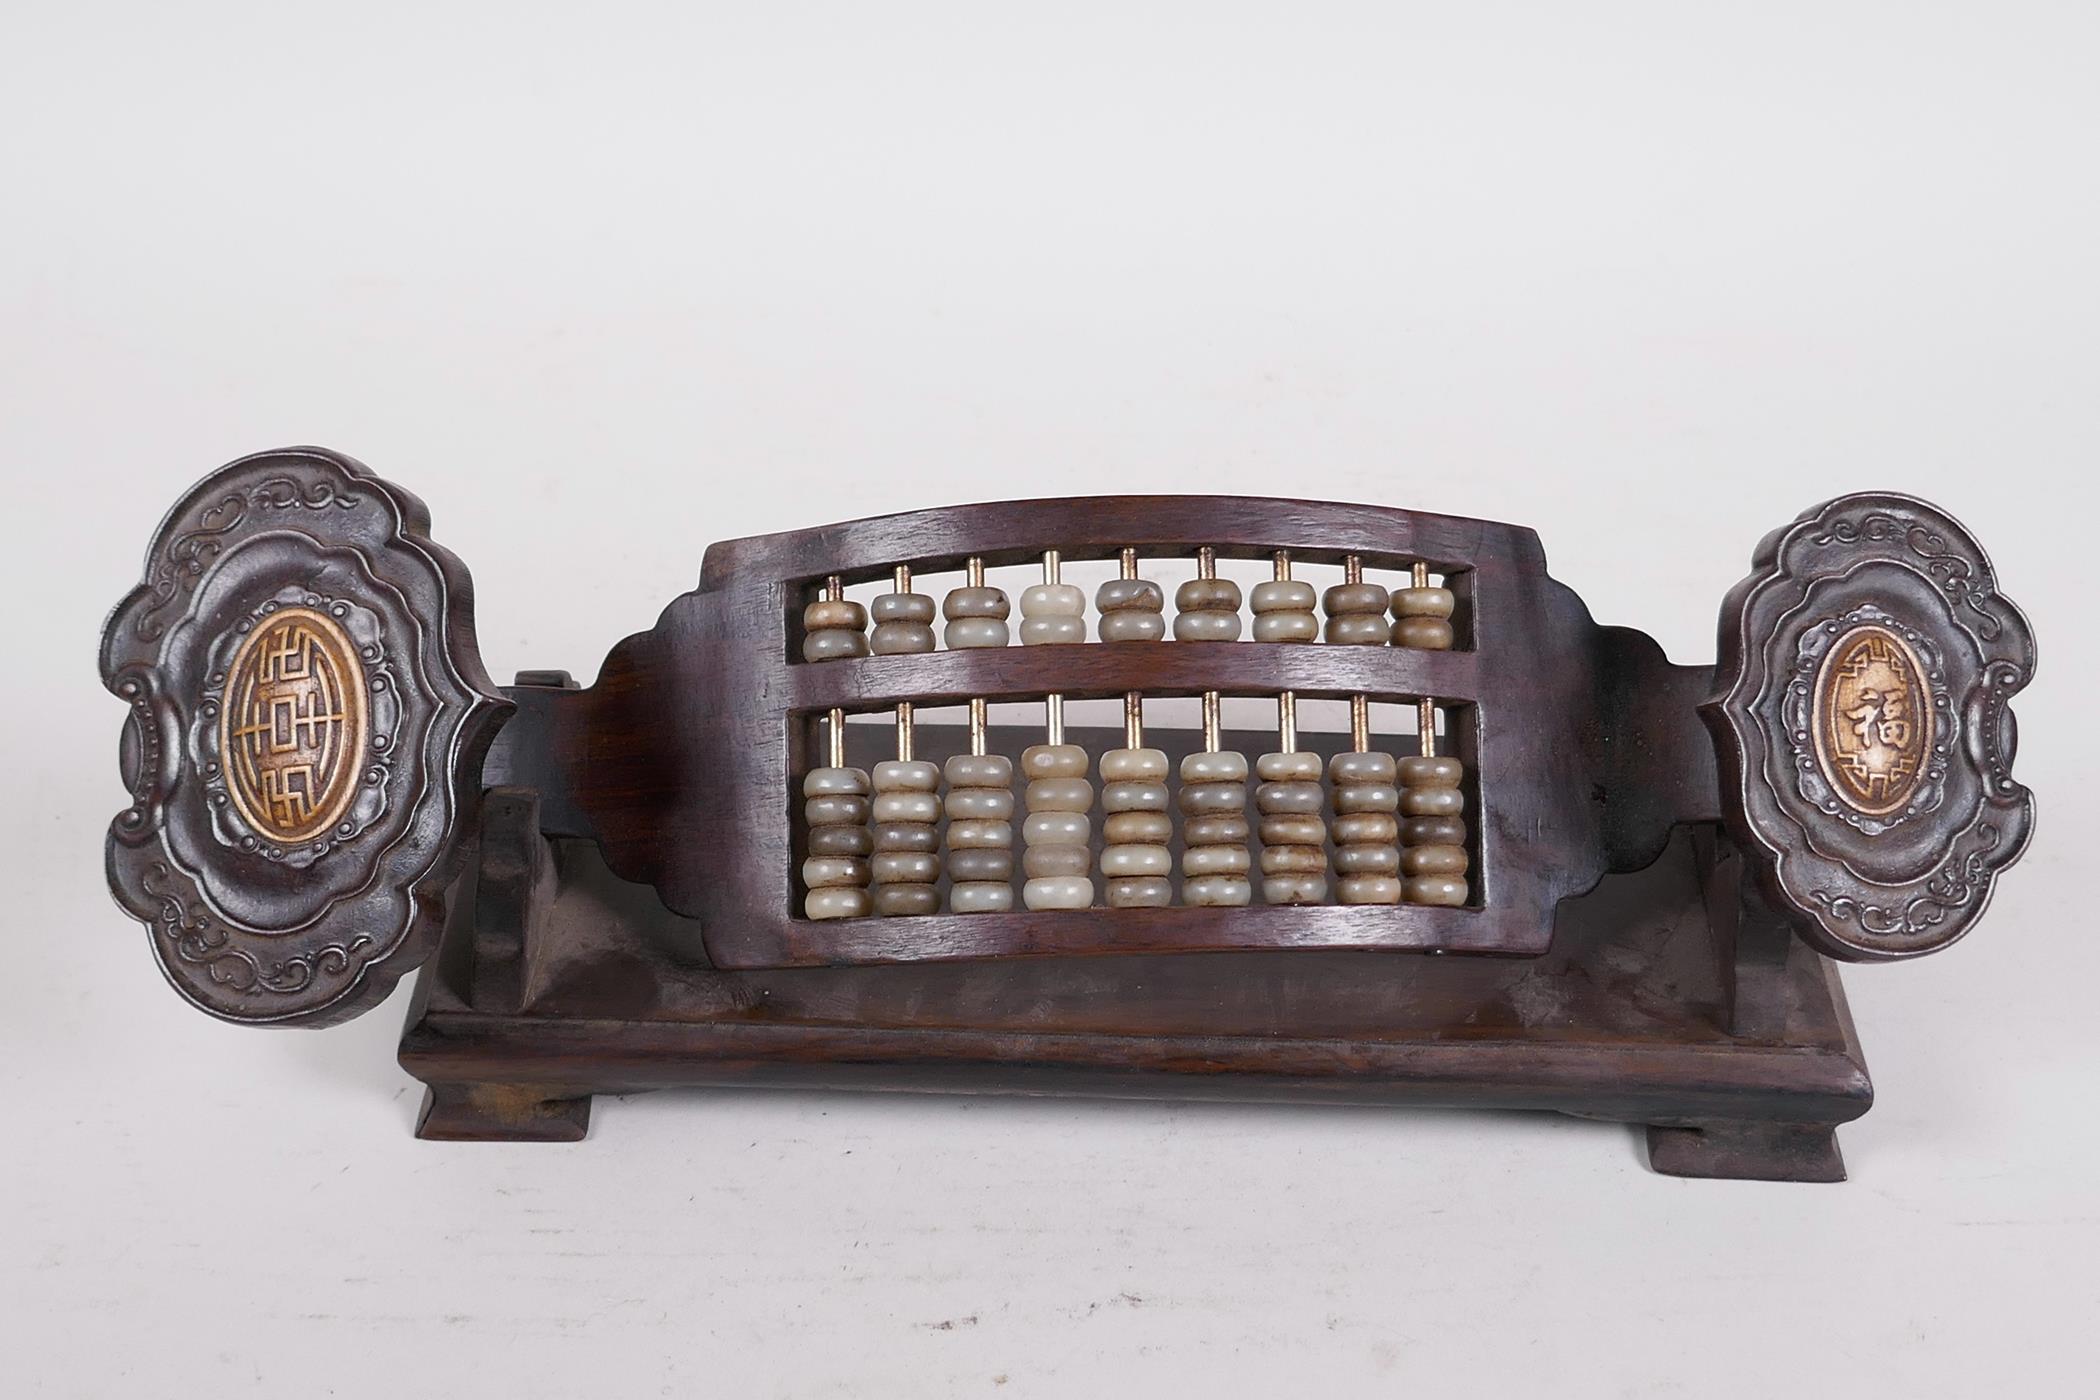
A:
(1664, 1001)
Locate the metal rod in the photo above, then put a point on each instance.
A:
(904, 731)
(973, 572)
(1352, 569)
(1425, 708)
(836, 723)
(1210, 721)
(978, 726)
(1128, 561)
(1133, 720)
(1287, 702)
(1360, 723)
(1206, 562)
(903, 578)
(834, 589)
(1053, 705)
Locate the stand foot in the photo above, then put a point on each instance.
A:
(500, 1113)
(1747, 1151)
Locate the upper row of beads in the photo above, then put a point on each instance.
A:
(1131, 610)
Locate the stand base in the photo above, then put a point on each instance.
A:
(1638, 1014)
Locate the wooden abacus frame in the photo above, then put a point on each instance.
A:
(603, 880)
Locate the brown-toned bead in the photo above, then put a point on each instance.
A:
(893, 901)
(833, 645)
(1214, 857)
(1356, 614)
(1132, 610)
(1424, 633)
(1207, 610)
(1436, 889)
(835, 876)
(1435, 860)
(1366, 860)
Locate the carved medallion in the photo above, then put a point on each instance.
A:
(1866, 746)
(292, 728)
(306, 718)
(1873, 719)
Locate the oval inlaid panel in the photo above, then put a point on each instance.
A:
(1873, 719)
(293, 727)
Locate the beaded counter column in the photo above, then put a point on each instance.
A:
(1136, 858)
(1433, 835)
(1290, 800)
(835, 806)
(1366, 859)
(980, 826)
(906, 868)
(1059, 827)
(1213, 799)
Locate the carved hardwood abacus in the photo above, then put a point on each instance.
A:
(1567, 877)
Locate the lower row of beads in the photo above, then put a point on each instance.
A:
(1399, 832)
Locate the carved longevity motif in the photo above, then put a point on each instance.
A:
(1865, 670)
(292, 725)
(306, 714)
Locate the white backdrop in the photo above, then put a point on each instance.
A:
(606, 282)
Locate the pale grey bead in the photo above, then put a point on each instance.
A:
(1207, 627)
(992, 834)
(844, 809)
(1132, 627)
(1058, 892)
(1215, 829)
(827, 782)
(904, 868)
(1134, 797)
(1057, 829)
(825, 872)
(1217, 891)
(970, 633)
(967, 770)
(1134, 765)
(1423, 633)
(1200, 799)
(1298, 767)
(1282, 595)
(1052, 631)
(968, 804)
(1141, 892)
(1207, 595)
(838, 903)
(906, 775)
(1359, 630)
(827, 614)
(1138, 595)
(895, 901)
(976, 897)
(980, 864)
(1363, 768)
(1367, 858)
(907, 807)
(1367, 889)
(1366, 826)
(902, 607)
(1286, 627)
(1294, 889)
(1366, 797)
(1436, 889)
(1060, 795)
(900, 638)
(1130, 861)
(833, 645)
(1050, 862)
(1137, 828)
(976, 602)
(1423, 602)
(1306, 830)
(1215, 860)
(1347, 598)
(1053, 761)
(1052, 600)
(1227, 767)
(1419, 771)
(1289, 797)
